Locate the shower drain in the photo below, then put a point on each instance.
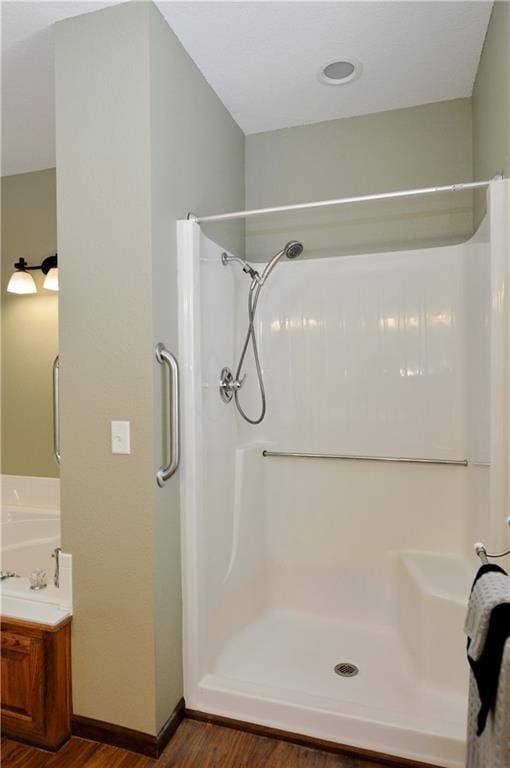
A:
(346, 669)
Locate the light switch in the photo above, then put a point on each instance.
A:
(121, 442)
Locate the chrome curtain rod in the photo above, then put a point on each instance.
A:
(351, 457)
(339, 201)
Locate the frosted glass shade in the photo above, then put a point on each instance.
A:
(51, 280)
(21, 282)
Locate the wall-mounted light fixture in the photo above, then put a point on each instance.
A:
(22, 281)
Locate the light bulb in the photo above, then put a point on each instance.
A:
(51, 280)
(21, 282)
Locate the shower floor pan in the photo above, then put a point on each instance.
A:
(280, 672)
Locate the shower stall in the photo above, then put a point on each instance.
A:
(328, 550)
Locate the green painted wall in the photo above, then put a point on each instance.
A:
(197, 164)
(405, 148)
(491, 103)
(29, 327)
(146, 141)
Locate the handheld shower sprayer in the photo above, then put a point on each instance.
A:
(291, 250)
(230, 384)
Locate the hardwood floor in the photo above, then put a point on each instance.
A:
(195, 745)
(77, 753)
(203, 745)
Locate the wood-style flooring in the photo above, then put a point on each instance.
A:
(77, 753)
(194, 745)
(203, 745)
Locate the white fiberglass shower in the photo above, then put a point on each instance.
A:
(293, 565)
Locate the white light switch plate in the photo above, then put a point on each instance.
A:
(121, 439)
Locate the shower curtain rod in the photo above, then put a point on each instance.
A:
(339, 201)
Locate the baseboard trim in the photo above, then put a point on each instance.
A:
(33, 741)
(171, 725)
(306, 741)
(127, 738)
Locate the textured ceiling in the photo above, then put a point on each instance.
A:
(262, 59)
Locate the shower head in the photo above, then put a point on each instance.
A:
(291, 250)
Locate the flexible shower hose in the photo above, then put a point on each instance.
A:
(253, 298)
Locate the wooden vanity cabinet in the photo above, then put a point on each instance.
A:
(35, 695)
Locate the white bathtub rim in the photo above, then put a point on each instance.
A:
(33, 611)
(18, 588)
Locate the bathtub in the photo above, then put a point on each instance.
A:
(29, 523)
(30, 532)
(29, 537)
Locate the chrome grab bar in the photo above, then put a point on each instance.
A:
(56, 409)
(350, 457)
(165, 472)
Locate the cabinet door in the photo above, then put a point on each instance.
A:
(23, 683)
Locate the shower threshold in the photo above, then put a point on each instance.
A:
(280, 672)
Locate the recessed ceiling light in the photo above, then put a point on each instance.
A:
(340, 71)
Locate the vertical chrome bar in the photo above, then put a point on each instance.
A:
(56, 409)
(165, 472)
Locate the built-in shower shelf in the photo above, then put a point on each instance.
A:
(432, 593)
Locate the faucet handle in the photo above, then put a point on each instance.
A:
(37, 579)
(8, 575)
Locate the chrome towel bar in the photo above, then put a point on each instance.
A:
(482, 553)
(350, 457)
(165, 472)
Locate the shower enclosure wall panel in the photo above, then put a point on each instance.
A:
(226, 542)
(499, 239)
(362, 355)
(293, 565)
(478, 377)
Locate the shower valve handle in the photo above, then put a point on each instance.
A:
(229, 385)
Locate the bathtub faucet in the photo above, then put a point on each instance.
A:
(56, 555)
(8, 575)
